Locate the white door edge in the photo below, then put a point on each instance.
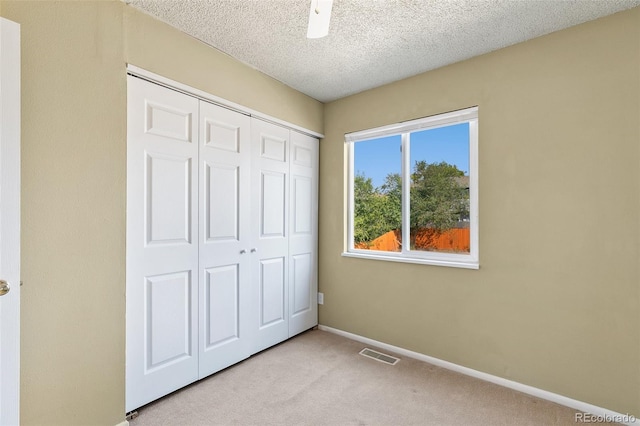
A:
(10, 221)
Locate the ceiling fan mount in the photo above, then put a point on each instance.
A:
(319, 17)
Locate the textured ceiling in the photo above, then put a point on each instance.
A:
(370, 42)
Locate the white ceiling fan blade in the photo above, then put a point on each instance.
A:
(319, 16)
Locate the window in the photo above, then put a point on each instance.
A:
(413, 191)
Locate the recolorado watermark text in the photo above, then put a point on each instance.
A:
(604, 418)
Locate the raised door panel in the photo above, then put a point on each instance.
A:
(167, 121)
(226, 305)
(168, 311)
(222, 306)
(272, 291)
(302, 205)
(303, 239)
(168, 190)
(162, 253)
(222, 203)
(301, 266)
(270, 221)
(224, 131)
(273, 146)
(272, 201)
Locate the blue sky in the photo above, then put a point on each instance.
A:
(378, 157)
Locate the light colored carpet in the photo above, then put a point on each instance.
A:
(318, 378)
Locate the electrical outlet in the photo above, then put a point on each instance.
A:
(320, 298)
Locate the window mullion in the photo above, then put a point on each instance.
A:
(351, 200)
(406, 191)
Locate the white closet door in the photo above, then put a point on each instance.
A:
(225, 227)
(270, 248)
(303, 234)
(162, 242)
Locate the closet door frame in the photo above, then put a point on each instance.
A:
(136, 325)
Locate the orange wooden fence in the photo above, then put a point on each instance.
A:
(453, 240)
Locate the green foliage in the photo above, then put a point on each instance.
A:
(439, 199)
(391, 189)
(375, 212)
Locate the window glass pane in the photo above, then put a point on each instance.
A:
(439, 194)
(377, 221)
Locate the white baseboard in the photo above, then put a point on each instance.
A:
(596, 412)
(123, 423)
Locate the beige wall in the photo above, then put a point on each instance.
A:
(555, 304)
(73, 188)
(73, 212)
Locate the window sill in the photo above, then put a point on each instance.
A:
(434, 262)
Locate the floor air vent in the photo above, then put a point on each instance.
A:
(387, 359)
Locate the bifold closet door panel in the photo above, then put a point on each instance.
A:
(162, 242)
(270, 247)
(303, 234)
(225, 226)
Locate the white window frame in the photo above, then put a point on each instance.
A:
(470, 260)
